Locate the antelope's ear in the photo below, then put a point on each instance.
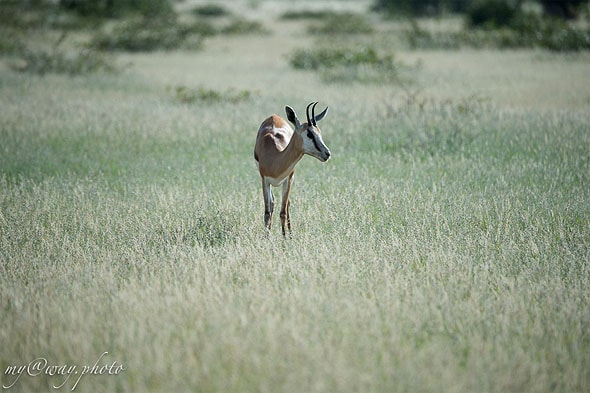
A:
(321, 115)
(292, 117)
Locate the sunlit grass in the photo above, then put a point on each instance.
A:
(444, 246)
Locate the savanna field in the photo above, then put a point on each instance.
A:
(444, 247)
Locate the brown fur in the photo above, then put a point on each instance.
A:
(278, 148)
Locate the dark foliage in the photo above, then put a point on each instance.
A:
(59, 61)
(522, 30)
(211, 10)
(342, 23)
(420, 7)
(567, 9)
(492, 13)
(117, 8)
(143, 34)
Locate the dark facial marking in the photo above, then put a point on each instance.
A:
(311, 136)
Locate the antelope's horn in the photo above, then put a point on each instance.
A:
(307, 113)
(313, 122)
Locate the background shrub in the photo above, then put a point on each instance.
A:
(26, 14)
(10, 40)
(421, 7)
(316, 59)
(523, 30)
(243, 26)
(347, 64)
(187, 95)
(419, 38)
(210, 10)
(117, 8)
(491, 13)
(145, 34)
(307, 14)
(408, 7)
(565, 37)
(342, 23)
(75, 62)
(567, 9)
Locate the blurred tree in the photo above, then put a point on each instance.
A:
(408, 7)
(492, 13)
(567, 9)
(421, 7)
(24, 13)
(116, 8)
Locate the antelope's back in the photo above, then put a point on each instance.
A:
(274, 134)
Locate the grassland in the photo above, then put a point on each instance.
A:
(445, 247)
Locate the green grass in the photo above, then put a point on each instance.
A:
(444, 247)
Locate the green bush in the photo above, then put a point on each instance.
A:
(11, 40)
(418, 8)
(307, 14)
(567, 9)
(118, 8)
(142, 34)
(187, 95)
(568, 38)
(342, 64)
(210, 10)
(491, 13)
(201, 27)
(419, 38)
(525, 30)
(62, 62)
(343, 23)
(408, 7)
(550, 33)
(316, 59)
(243, 26)
(26, 14)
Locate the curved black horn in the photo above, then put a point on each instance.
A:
(313, 122)
(307, 113)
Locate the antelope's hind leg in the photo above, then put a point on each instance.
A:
(269, 203)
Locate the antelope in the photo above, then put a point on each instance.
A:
(278, 149)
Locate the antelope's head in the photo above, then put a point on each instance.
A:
(313, 144)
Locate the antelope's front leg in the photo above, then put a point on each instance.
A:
(285, 218)
(269, 203)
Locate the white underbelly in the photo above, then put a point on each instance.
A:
(275, 182)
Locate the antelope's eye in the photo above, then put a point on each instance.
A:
(309, 134)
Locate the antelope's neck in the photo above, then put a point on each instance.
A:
(286, 160)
